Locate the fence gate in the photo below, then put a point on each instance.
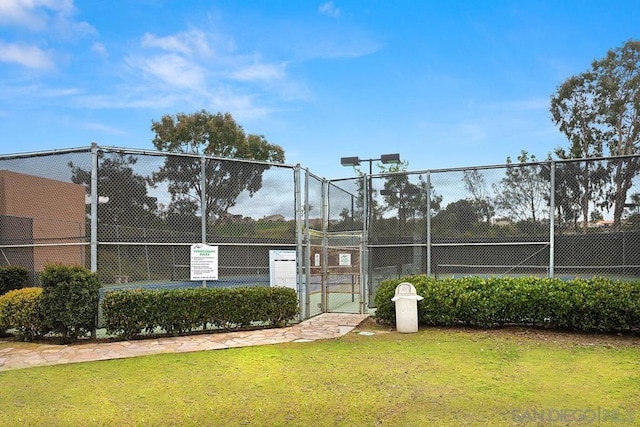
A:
(336, 273)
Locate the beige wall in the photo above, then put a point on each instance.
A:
(58, 212)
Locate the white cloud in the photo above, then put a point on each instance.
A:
(172, 69)
(54, 18)
(255, 72)
(129, 99)
(58, 92)
(26, 55)
(104, 128)
(331, 45)
(242, 106)
(33, 14)
(17, 90)
(329, 9)
(50, 16)
(99, 48)
(186, 43)
(183, 67)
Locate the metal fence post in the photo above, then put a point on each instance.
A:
(325, 243)
(299, 258)
(428, 225)
(94, 222)
(307, 247)
(366, 215)
(94, 207)
(203, 203)
(552, 215)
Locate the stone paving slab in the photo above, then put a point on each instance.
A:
(17, 355)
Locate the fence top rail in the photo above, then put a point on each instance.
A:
(313, 175)
(193, 155)
(495, 166)
(290, 166)
(124, 243)
(45, 153)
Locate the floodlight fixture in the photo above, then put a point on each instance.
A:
(386, 159)
(350, 161)
(390, 158)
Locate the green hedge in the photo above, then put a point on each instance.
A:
(20, 310)
(583, 305)
(12, 277)
(129, 313)
(70, 299)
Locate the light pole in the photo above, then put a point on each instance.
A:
(364, 260)
(354, 161)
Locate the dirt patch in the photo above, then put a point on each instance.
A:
(569, 338)
(371, 324)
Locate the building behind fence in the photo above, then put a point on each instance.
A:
(133, 215)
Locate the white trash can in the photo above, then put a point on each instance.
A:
(406, 300)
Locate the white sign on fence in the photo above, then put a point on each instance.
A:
(282, 268)
(204, 262)
(344, 260)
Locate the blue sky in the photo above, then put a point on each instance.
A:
(444, 83)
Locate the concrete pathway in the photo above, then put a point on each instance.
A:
(18, 355)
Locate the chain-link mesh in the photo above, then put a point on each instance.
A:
(42, 211)
(314, 254)
(476, 221)
(506, 221)
(597, 211)
(149, 210)
(343, 256)
(491, 221)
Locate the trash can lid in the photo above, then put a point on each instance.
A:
(405, 288)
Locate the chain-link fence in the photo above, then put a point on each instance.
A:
(506, 221)
(42, 211)
(133, 217)
(170, 202)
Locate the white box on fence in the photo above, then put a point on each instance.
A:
(282, 268)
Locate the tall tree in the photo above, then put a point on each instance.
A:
(410, 199)
(574, 110)
(475, 184)
(457, 218)
(123, 192)
(601, 108)
(521, 193)
(203, 133)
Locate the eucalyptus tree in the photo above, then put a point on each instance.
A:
(523, 192)
(217, 135)
(476, 184)
(598, 109)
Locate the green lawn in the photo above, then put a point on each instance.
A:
(435, 377)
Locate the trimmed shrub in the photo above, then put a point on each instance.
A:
(12, 277)
(586, 305)
(70, 300)
(130, 312)
(280, 305)
(20, 310)
(125, 312)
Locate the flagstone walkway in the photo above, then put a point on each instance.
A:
(18, 355)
